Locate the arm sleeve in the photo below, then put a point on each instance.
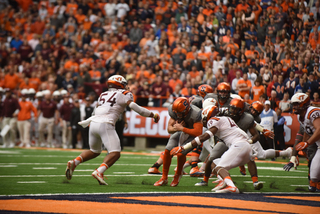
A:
(140, 110)
(196, 131)
(281, 121)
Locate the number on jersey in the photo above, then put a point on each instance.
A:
(104, 96)
(232, 123)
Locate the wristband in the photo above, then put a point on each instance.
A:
(293, 159)
(209, 133)
(197, 140)
(250, 141)
(187, 146)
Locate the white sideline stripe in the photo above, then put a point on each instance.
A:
(276, 169)
(44, 168)
(143, 175)
(8, 165)
(140, 193)
(31, 182)
(123, 172)
(248, 182)
(8, 152)
(299, 185)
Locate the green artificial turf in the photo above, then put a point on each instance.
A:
(129, 174)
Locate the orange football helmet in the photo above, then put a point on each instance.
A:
(117, 81)
(181, 107)
(236, 107)
(208, 112)
(223, 90)
(256, 108)
(203, 90)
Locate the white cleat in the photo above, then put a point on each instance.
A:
(99, 176)
(220, 185)
(289, 152)
(258, 185)
(202, 183)
(228, 189)
(70, 168)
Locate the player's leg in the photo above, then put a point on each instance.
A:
(173, 142)
(95, 150)
(315, 169)
(252, 168)
(155, 167)
(195, 154)
(181, 159)
(238, 154)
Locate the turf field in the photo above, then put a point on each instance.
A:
(41, 171)
(33, 181)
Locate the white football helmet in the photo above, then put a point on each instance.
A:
(39, 94)
(56, 93)
(117, 81)
(300, 102)
(24, 91)
(208, 112)
(235, 96)
(31, 91)
(209, 102)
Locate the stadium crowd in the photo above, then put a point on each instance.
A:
(63, 52)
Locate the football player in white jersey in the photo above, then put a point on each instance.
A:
(236, 140)
(110, 106)
(309, 118)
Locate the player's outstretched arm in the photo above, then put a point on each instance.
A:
(197, 141)
(265, 132)
(314, 138)
(143, 111)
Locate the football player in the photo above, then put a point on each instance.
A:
(223, 98)
(111, 104)
(184, 125)
(309, 118)
(236, 140)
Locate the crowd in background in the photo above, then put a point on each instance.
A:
(67, 50)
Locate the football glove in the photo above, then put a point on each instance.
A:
(156, 118)
(268, 133)
(294, 162)
(301, 146)
(176, 150)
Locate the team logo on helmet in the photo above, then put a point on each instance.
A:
(300, 102)
(117, 81)
(181, 107)
(203, 90)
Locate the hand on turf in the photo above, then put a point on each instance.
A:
(156, 118)
(176, 150)
(268, 133)
(301, 146)
(294, 162)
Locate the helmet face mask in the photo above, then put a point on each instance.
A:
(300, 103)
(256, 108)
(181, 107)
(236, 108)
(223, 90)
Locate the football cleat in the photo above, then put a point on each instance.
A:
(220, 185)
(99, 176)
(202, 183)
(176, 180)
(312, 186)
(228, 189)
(195, 172)
(257, 185)
(161, 182)
(154, 170)
(242, 170)
(70, 168)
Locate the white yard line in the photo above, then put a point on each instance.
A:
(299, 185)
(123, 172)
(83, 164)
(249, 182)
(44, 168)
(8, 165)
(31, 182)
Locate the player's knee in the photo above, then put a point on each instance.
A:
(115, 155)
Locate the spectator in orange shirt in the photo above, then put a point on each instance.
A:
(188, 91)
(11, 80)
(24, 117)
(71, 65)
(94, 73)
(257, 90)
(194, 73)
(175, 81)
(244, 85)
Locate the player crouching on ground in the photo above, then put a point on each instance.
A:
(111, 105)
(239, 152)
